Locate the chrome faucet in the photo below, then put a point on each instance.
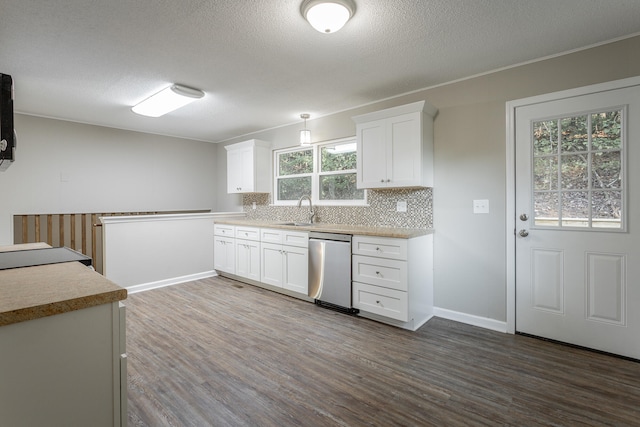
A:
(311, 213)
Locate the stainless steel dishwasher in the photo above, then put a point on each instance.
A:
(330, 270)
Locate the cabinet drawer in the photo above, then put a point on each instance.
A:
(270, 235)
(381, 272)
(224, 230)
(382, 301)
(382, 247)
(285, 237)
(295, 238)
(247, 233)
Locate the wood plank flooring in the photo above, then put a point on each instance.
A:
(216, 352)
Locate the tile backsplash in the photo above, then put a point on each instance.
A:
(380, 212)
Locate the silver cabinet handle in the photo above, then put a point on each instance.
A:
(523, 217)
(382, 180)
(388, 180)
(523, 233)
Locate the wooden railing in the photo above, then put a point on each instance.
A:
(78, 231)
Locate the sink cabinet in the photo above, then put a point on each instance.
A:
(395, 147)
(393, 279)
(249, 167)
(284, 259)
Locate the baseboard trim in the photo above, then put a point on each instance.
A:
(169, 282)
(470, 319)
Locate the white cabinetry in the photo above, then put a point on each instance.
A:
(248, 252)
(393, 279)
(249, 167)
(395, 147)
(284, 259)
(224, 252)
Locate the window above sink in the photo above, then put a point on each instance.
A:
(325, 171)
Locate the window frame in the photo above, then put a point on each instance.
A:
(315, 175)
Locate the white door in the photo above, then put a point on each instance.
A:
(577, 220)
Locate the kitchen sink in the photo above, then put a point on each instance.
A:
(298, 224)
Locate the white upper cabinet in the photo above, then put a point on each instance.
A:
(395, 147)
(249, 167)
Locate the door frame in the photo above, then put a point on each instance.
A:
(510, 204)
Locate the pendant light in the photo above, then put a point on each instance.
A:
(327, 16)
(305, 135)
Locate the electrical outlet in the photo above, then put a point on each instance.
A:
(480, 206)
(401, 206)
(253, 206)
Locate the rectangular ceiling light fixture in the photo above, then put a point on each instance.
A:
(167, 100)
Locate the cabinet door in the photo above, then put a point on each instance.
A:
(248, 259)
(234, 171)
(224, 254)
(371, 160)
(296, 269)
(247, 177)
(271, 264)
(404, 150)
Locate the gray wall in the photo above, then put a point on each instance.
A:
(470, 163)
(65, 167)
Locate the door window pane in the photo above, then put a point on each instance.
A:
(574, 172)
(545, 137)
(575, 136)
(546, 209)
(585, 153)
(545, 173)
(606, 169)
(607, 209)
(606, 130)
(575, 208)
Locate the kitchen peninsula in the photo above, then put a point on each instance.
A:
(62, 346)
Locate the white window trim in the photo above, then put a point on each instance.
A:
(315, 176)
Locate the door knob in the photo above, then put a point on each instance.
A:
(523, 233)
(523, 217)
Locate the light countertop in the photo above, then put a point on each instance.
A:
(402, 233)
(33, 292)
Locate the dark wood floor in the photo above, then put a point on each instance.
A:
(219, 353)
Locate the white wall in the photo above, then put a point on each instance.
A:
(65, 167)
(470, 163)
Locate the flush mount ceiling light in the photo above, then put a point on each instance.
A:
(327, 16)
(305, 134)
(167, 100)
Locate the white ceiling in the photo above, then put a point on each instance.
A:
(261, 65)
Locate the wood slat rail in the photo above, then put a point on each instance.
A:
(63, 229)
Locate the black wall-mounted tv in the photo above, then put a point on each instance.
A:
(7, 133)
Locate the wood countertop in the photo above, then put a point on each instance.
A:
(401, 233)
(32, 292)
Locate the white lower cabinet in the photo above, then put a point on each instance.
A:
(393, 279)
(275, 257)
(224, 248)
(248, 259)
(247, 256)
(285, 265)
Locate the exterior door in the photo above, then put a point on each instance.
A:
(577, 220)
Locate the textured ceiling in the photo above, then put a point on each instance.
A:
(261, 65)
